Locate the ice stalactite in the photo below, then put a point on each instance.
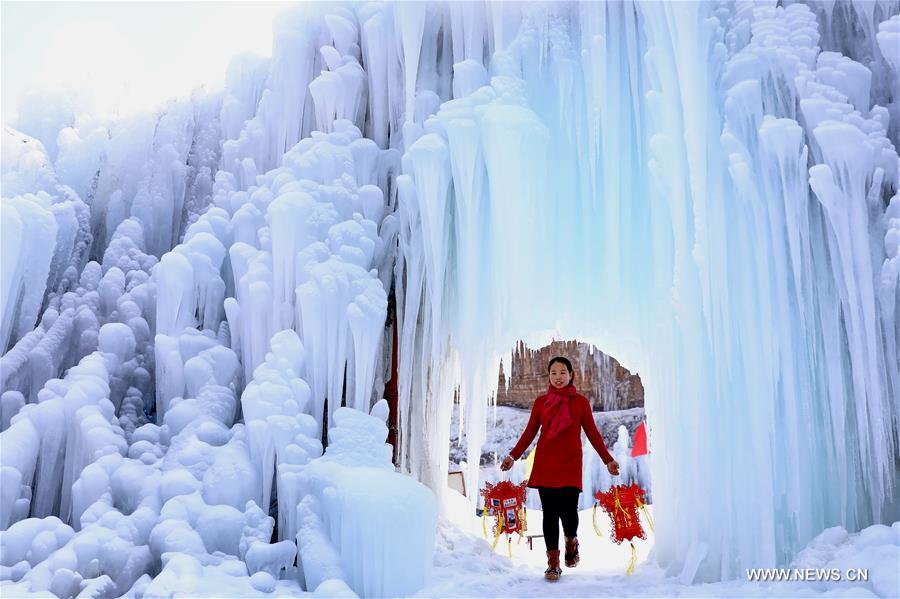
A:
(427, 164)
(160, 196)
(382, 69)
(53, 440)
(469, 143)
(282, 434)
(805, 289)
(29, 174)
(272, 104)
(311, 264)
(166, 490)
(109, 166)
(341, 91)
(116, 292)
(147, 179)
(469, 176)
(409, 25)
(308, 258)
(29, 236)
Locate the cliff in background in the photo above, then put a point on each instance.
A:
(598, 376)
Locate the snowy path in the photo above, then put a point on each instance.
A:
(465, 566)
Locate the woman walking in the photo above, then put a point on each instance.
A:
(560, 413)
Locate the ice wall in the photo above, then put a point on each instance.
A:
(706, 193)
(218, 242)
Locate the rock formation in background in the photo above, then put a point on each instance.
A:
(598, 376)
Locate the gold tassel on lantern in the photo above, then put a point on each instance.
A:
(631, 564)
(643, 507)
(619, 507)
(496, 538)
(594, 520)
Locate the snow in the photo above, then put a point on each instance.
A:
(185, 574)
(465, 566)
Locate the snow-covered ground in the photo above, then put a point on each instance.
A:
(465, 565)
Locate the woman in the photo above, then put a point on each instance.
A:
(560, 413)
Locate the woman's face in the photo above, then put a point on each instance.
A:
(559, 375)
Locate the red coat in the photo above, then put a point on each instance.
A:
(558, 460)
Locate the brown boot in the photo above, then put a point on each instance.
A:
(572, 557)
(553, 570)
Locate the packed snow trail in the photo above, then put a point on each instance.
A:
(465, 565)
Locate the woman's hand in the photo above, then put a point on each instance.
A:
(613, 467)
(507, 463)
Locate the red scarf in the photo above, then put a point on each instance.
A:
(556, 408)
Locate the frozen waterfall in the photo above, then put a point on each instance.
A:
(198, 304)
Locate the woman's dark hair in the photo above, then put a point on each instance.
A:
(565, 362)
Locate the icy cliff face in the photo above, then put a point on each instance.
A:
(706, 191)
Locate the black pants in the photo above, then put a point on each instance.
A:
(559, 504)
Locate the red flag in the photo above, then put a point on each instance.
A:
(640, 441)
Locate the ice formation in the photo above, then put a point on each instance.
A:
(194, 300)
(360, 520)
(727, 231)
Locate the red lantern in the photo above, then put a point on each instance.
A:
(506, 502)
(622, 502)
